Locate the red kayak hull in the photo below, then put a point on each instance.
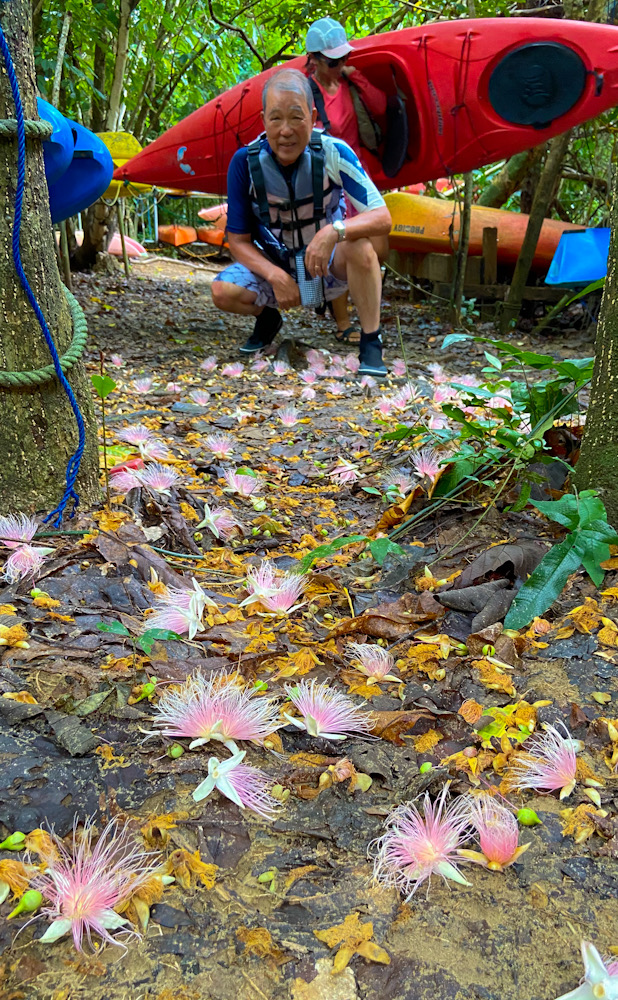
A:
(453, 74)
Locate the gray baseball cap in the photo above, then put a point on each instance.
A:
(328, 37)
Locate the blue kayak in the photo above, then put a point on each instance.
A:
(85, 180)
(58, 149)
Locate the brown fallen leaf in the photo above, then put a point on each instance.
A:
(392, 621)
(390, 725)
(394, 515)
(353, 938)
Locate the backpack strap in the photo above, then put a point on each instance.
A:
(317, 176)
(318, 100)
(257, 176)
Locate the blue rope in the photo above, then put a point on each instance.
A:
(75, 459)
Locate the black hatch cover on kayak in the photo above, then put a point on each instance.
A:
(536, 83)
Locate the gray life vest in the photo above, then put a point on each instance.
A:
(293, 210)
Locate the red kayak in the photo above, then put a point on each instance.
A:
(474, 91)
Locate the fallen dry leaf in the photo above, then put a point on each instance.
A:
(353, 938)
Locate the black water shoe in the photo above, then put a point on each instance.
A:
(266, 328)
(370, 355)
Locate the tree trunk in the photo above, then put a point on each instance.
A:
(62, 44)
(598, 461)
(37, 427)
(510, 177)
(542, 199)
(97, 119)
(461, 257)
(122, 52)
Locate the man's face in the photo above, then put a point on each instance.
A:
(288, 123)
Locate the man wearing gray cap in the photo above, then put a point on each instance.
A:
(286, 232)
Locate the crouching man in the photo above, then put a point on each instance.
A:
(286, 226)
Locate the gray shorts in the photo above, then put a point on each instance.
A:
(238, 274)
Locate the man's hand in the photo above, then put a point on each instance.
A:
(319, 252)
(287, 292)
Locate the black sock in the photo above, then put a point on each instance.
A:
(368, 337)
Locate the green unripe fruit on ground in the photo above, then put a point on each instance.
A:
(528, 817)
(14, 842)
(424, 768)
(488, 650)
(29, 902)
(176, 751)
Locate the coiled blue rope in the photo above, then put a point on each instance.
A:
(75, 459)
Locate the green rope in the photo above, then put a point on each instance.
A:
(35, 129)
(74, 352)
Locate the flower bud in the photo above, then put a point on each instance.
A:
(427, 766)
(175, 751)
(29, 902)
(14, 842)
(528, 817)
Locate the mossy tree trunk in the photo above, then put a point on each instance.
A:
(597, 467)
(37, 427)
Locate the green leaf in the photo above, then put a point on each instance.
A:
(380, 548)
(116, 627)
(493, 360)
(545, 584)
(401, 431)
(522, 499)
(243, 471)
(148, 638)
(103, 385)
(455, 338)
(372, 490)
(573, 511)
(322, 551)
(92, 702)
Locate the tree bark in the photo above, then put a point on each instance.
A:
(598, 461)
(542, 198)
(120, 63)
(461, 257)
(510, 177)
(97, 119)
(37, 427)
(62, 44)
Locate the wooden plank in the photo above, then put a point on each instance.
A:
(490, 255)
(478, 291)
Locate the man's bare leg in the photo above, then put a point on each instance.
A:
(234, 299)
(358, 263)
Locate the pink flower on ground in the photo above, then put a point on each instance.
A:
(233, 370)
(244, 486)
(437, 421)
(404, 397)
(437, 372)
(248, 787)
(498, 833)
(426, 462)
(470, 380)
(159, 478)
(124, 480)
(200, 396)
(326, 712)
(398, 367)
(209, 364)
(384, 406)
(143, 438)
(314, 356)
(318, 367)
(335, 388)
(549, 763)
(142, 384)
(344, 472)
(220, 521)
(24, 561)
(15, 529)
(352, 363)
(281, 368)
(284, 393)
(500, 403)
(221, 445)
(241, 415)
(400, 480)
(443, 393)
(260, 364)
(180, 610)
(373, 661)
(600, 979)
(289, 416)
(308, 377)
(307, 394)
(337, 371)
(336, 359)
(117, 360)
(274, 590)
(367, 382)
(418, 845)
(216, 708)
(173, 387)
(85, 884)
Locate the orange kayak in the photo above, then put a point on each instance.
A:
(216, 237)
(177, 235)
(421, 225)
(216, 214)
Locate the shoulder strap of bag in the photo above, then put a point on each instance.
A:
(317, 176)
(257, 176)
(318, 100)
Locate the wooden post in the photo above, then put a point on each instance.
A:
(125, 256)
(490, 256)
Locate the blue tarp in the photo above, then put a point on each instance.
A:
(581, 257)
